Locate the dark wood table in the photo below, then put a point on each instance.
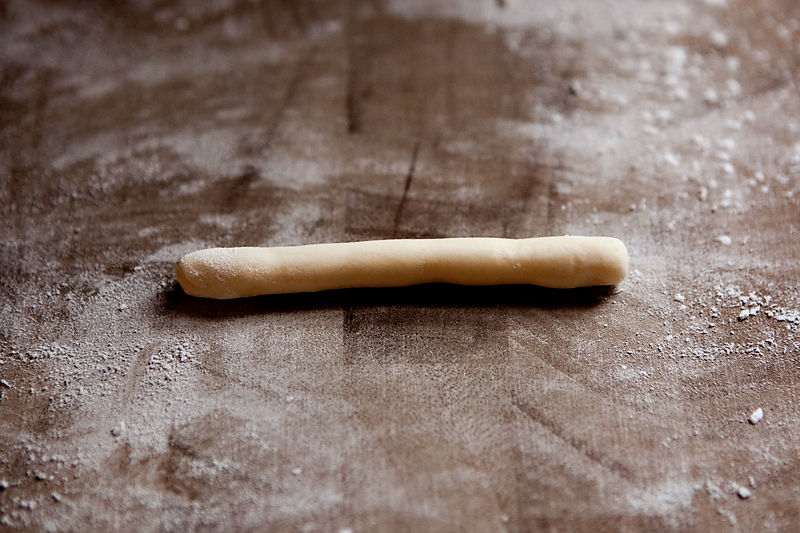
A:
(134, 132)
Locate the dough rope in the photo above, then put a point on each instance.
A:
(555, 262)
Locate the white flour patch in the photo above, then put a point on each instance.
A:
(225, 222)
(664, 499)
(214, 152)
(174, 252)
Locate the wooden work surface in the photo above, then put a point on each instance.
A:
(133, 132)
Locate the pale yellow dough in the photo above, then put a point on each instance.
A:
(556, 262)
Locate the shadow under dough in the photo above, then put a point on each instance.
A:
(174, 301)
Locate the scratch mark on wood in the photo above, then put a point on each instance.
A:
(288, 99)
(317, 224)
(353, 119)
(574, 442)
(238, 190)
(552, 193)
(297, 17)
(355, 63)
(398, 214)
(450, 76)
(520, 475)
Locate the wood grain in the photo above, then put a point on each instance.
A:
(132, 133)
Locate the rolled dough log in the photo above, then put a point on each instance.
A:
(556, 262)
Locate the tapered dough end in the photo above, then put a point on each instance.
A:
(186, 274)
(571, 262)
(614, 261)
(207, 274)
(184, 279)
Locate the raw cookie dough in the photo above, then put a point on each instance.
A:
(555, 262)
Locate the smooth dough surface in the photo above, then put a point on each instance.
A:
(555, 262)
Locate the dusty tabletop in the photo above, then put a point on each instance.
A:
(134, 132)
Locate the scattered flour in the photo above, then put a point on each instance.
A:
(756, 416)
